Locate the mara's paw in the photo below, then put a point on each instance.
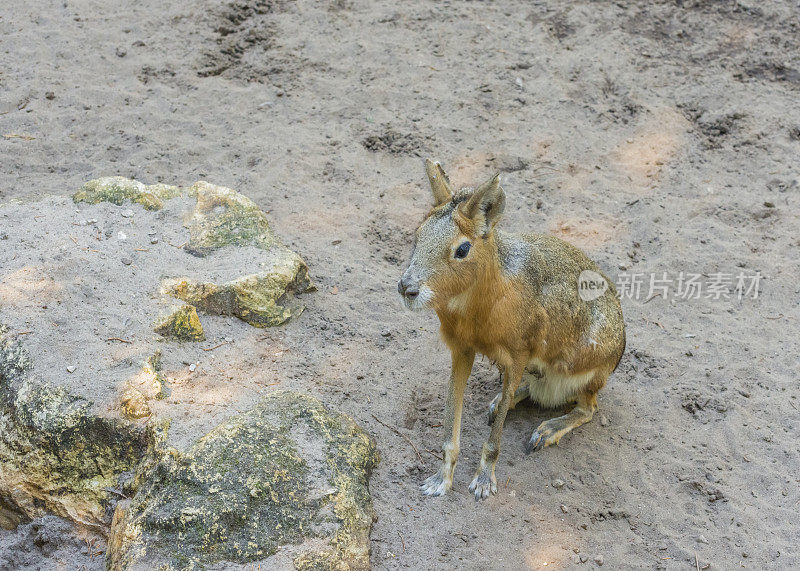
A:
(544, 436)
(483, 485)
(493, 408)
(436, 485)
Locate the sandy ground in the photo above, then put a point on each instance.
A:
(659, 137)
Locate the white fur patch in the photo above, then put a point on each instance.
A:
(457, 304)
(422, 301)
(553, 389)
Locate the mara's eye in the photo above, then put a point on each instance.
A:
(463, 250)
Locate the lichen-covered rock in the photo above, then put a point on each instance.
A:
(148, 384)
(262, 300)
(55, 454)
(117, 189)
(223, 217)
(182, 324)
(133, 404)
(284, 473)
(155, 385)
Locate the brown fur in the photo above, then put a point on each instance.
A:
(514, 299)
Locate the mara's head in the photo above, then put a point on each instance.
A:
(454, 245)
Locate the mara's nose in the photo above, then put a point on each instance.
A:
(406, 289)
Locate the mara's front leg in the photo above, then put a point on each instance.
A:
(442, 481)
(485, 482)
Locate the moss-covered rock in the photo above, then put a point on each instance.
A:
(117, 189)
(182, 324)
(223, 217)
(285, 472)
(55, 454)
(133, 404)
(262, 300)
(155, 385)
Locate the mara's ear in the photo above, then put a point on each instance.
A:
(440, 185)
(485, 206)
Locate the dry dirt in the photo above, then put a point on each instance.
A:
(660, 137)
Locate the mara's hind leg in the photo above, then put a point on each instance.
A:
(551, 431)
(520, 395)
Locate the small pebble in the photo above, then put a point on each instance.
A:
(154, 240)
(557, 483)
(71, 369)
(564, 508)
(122, 52)
(192, 367)
(127, 213)
(599, 560)
(122, 236)
(603, 420)
(127, 261)
(50, 95)
(702, 539)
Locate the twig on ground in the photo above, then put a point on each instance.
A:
(654, 323)
(18, 136)
(402, 541)
(696, 562)
(401, 435)
(119, 339)
(216, 346)
(434, 453)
